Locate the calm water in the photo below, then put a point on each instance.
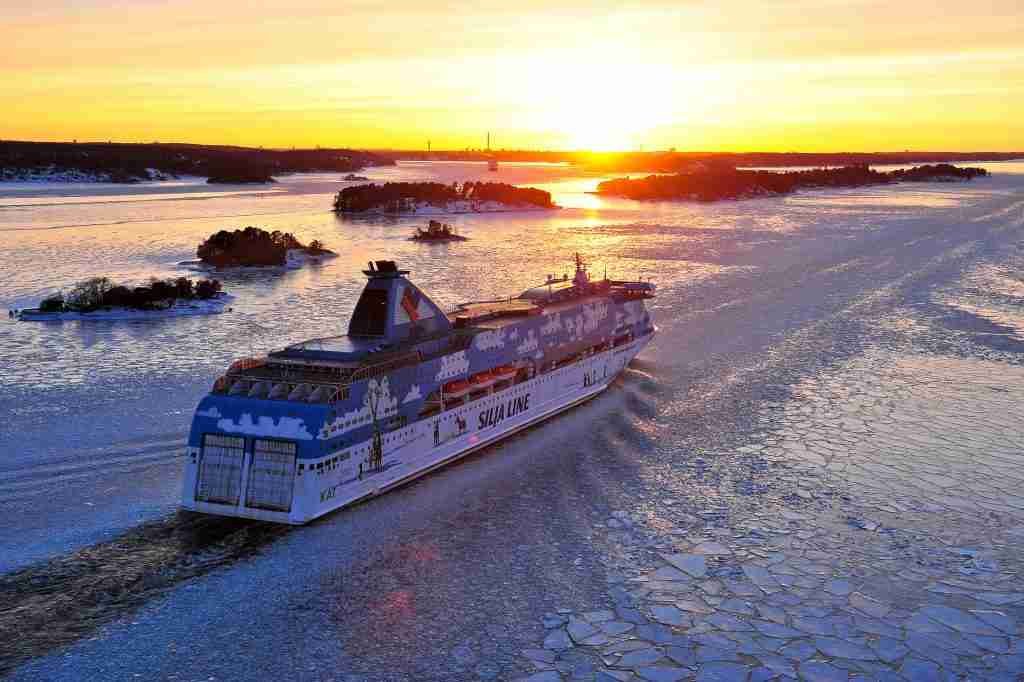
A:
(822, 306)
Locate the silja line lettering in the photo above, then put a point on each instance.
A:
(494, 415)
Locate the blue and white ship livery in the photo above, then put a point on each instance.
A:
(326, 422)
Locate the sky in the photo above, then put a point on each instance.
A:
(730, 75)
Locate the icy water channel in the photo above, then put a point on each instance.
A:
(813, 472)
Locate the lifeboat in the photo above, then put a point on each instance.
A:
(319, 395)
(457, 389)
(259, 390)
(483, 380)
(240, 387)
(505, 372)
(300, 392)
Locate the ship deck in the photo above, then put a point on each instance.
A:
(498, 314)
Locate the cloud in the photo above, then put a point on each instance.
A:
(413, 394)
(285, 427)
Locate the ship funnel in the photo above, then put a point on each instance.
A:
(393, 309)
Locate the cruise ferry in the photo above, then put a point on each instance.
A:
(327, 422)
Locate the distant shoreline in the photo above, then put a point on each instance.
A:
(128, 163)
(133, 163)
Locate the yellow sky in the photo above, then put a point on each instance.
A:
(730, 75)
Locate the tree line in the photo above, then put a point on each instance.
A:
(252, 246)
(101, 292)
(402, 197)
(717, 183)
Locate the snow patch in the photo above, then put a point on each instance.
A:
(296, 258)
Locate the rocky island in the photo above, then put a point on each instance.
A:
(254, 247)
(938, 172)
(99, 298)
(130, 163)
(240, 176)
(433, 198)
(718, 183)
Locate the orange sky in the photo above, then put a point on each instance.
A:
(729, 75)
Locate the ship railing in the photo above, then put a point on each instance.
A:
(291, 389)
(386, 366)
(462, 306)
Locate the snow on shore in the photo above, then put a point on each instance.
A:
(424, 208)
(70, 175)
(181, 308)
(294, 259)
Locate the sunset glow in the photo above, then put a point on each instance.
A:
(730, 76)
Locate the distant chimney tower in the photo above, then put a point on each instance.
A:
(488, 140)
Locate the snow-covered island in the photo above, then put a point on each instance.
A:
(254, 247)
(57, 174)
(435, 198)
(100, 298)
(723, 182)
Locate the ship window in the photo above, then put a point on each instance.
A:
(220, 469)
(371, 314)
(271, 475)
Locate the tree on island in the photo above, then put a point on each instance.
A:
(403, 197)
(253, 246)
(717, 183)
(100, 292)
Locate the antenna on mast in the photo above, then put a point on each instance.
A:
(488, 140)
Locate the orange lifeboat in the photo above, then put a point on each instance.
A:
(457, 389)
(504, 373)
(483, 379)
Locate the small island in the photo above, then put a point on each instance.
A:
(254, 247)
(99, 298)
(240, 176)
(938, 172)
(719, 183)
(437, 232)
(433, 198)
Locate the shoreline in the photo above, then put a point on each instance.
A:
(453, 208)
(181, 308)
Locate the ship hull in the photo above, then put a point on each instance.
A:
(343, 478)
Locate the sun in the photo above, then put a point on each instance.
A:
(604, 106)
(599, 132)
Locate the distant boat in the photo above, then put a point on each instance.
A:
(437, 232)
(492, 164)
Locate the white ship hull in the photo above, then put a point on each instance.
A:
(345, 477)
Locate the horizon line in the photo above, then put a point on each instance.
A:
(473, 150)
